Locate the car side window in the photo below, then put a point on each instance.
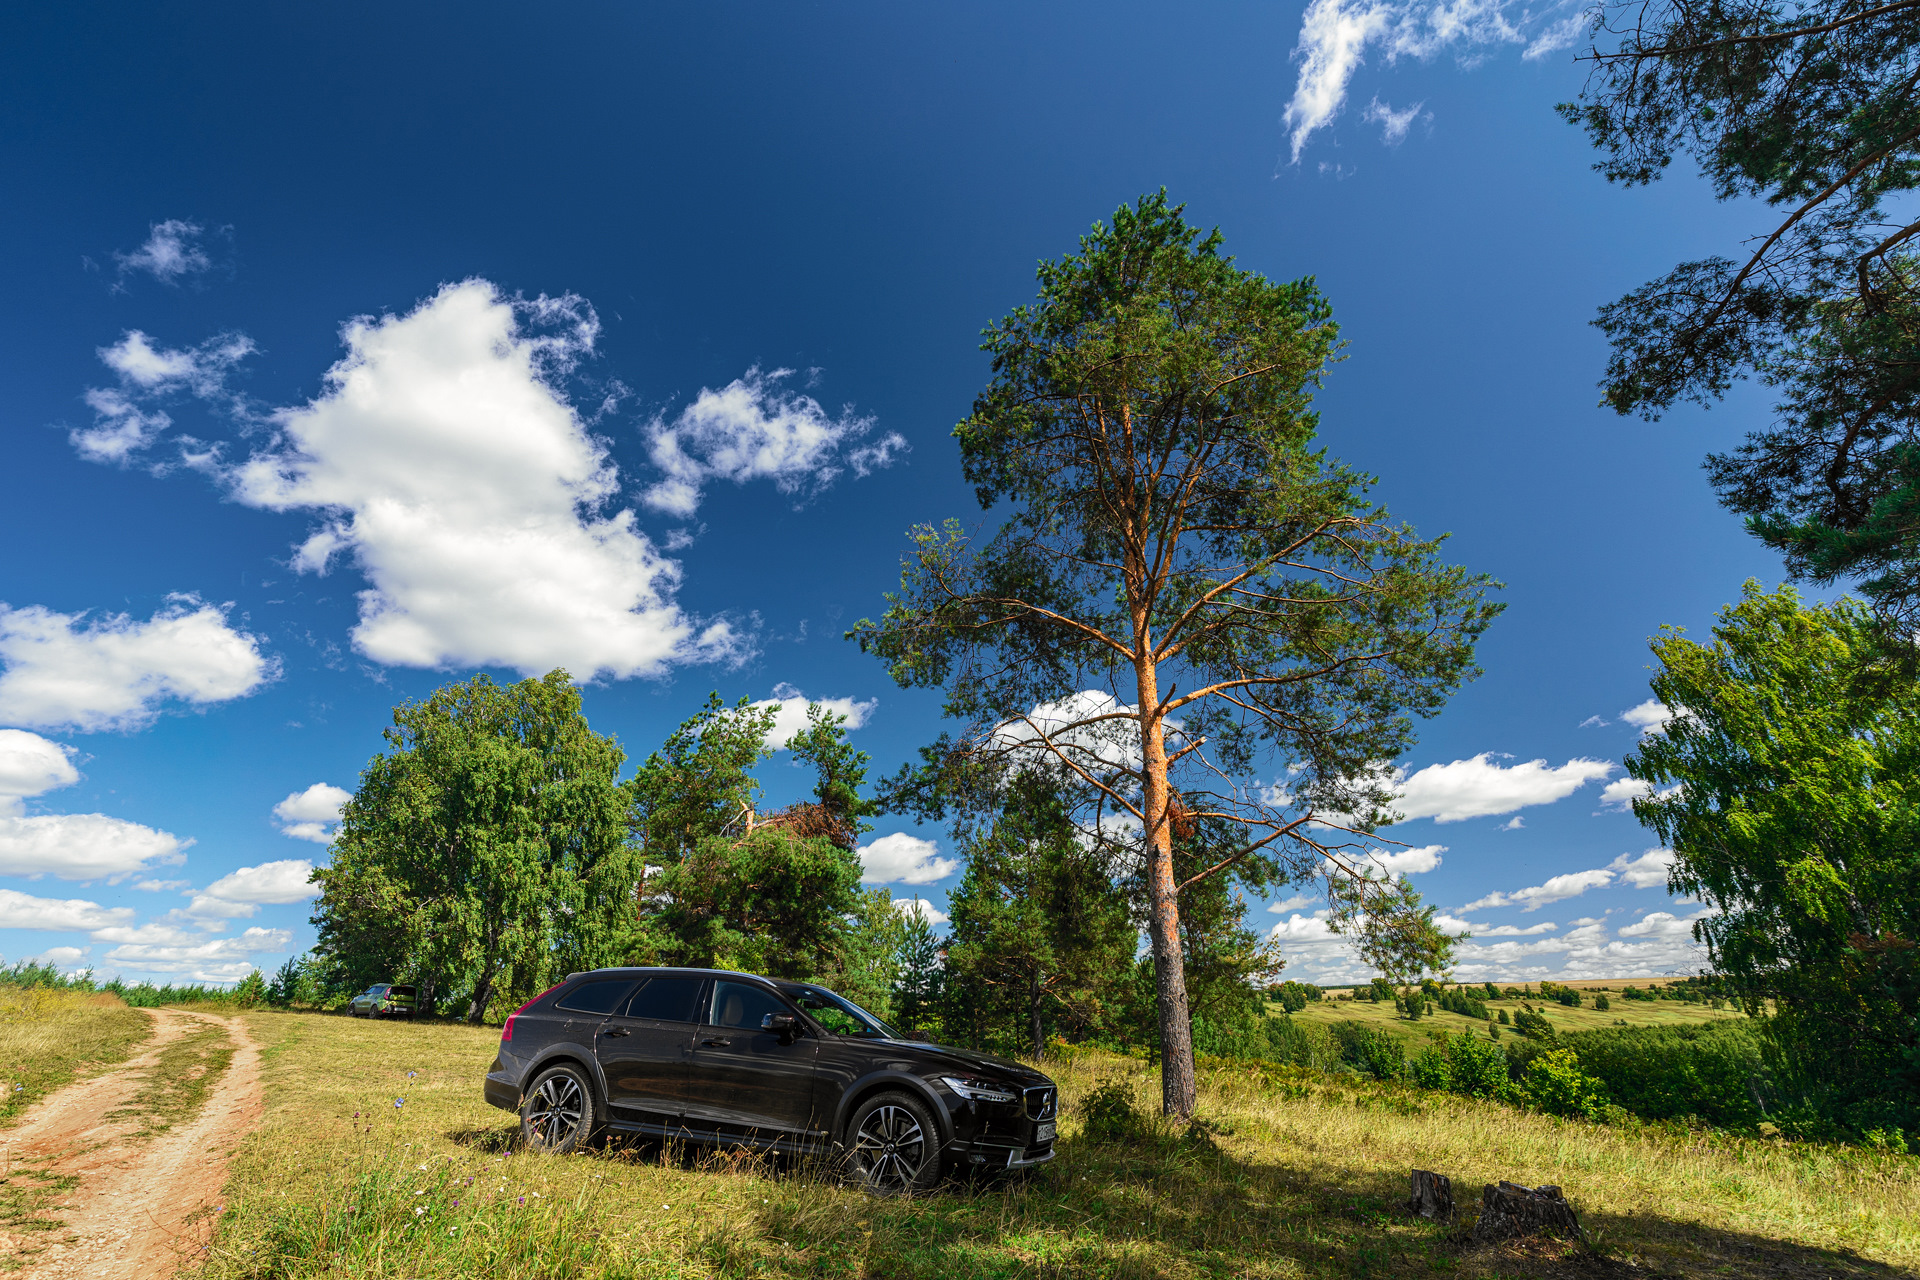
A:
(832, 1017)
(666, 999)
(736, 1004)
(596, 997)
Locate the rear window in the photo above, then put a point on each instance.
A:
(602, 997)
(401, 991)
(666, 999)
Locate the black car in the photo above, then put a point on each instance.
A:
(732, 1058)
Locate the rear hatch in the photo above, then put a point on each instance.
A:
(399, 998)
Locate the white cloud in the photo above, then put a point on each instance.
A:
(82, 846)
(790, 712)
(1514, 823)
(755, 429)
(113, 672)
(1664, 926)
(903, 859)
(123, 424)
(1294, 903)
(469, 491)
(1478, 787)
(1622, 792)
(170, 252)
(1648, 871)
(1513, 930)
(1559, 35)
(1393, 124)
(157, 950)
(160, 886)
(1092, 728)
(22, 911)
(926, 910)
(1556, 888)
(240, 893)
(1595, 722)
(312, 814)
(1649, 717)
(61, 957)
(1405, 862)
(30, 765)
(1335, 36)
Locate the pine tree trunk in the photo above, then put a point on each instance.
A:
(1177, 1087)
(1033, 1014)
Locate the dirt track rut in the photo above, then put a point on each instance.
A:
(143, 1206)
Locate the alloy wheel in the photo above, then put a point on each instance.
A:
(556, 1111)
(890, 1149)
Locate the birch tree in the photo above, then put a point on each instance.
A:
(1188, 608)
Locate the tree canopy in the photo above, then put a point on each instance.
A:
(1184, 586)
(1788, 787)
(1813, 108)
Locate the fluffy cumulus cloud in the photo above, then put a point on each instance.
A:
(30, 765)
(160, 949)
(1648, 717)
(922, 908)
(172, 251)
(127, 418)
(1646, 871)
(1337, 35)
(903, 859)
(452, 470)
(83, 846)
(313, 814)
(1092, 728)
(1554, 889)
(1406, 862)
(113, 672)
(23, 911)
(241, 893)
(756, 428)
(1480, 786)
(789, 707)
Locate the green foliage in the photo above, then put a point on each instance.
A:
(1600, 1002)
(1109, 1112)
(1535, 1025)
(1789, 791)
(1372, 1050)
(700, 783)
(1631, 992)
(920, 985)
(485, 854)
(1428, 1068)
(1245, 587)
(1476, 1068)
(1811, 109)
(1555, 1084)
(1467, 1006)
(1714, 1071)
(1295, 996)
(1302, 1044)
(1503, 1017)
(251, 990)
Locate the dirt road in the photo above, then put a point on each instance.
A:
(142, 1206)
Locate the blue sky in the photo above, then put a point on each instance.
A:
(350, 351)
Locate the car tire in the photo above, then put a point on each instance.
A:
(559, 1114)
(892, 1145)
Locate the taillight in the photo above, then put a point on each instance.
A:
(506, 1031)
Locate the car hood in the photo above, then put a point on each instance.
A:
(968, 1060)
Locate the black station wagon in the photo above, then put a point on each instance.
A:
(732, 1058)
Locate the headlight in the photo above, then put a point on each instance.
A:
(979, 1090)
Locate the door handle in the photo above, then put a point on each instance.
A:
(716, 1044)
(617, 1031)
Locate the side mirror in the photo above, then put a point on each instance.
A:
(785, 1023)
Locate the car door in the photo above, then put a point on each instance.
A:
(746, 1082)
(643, 1052)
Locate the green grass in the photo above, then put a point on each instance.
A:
(1289, 1174)
(175, 1087)
(1635, 1013)
(49, 1037)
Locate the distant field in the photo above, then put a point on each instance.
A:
(1635, 1013)
(377, 1158)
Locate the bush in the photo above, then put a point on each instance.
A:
(1372, 1050)
(1465, 1005)
(1602, 1003)
(1528, 1023)
(1475, 1067)
(1109, 1113)
(1294, 996)
(251, 991)
(1556, 1085)
(1428, 1068)
(1564, 995)
(1493, 992)
(1504, 1020)
(1301, 1044)
(1716, 1072)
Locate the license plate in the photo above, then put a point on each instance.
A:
(1044, 1133)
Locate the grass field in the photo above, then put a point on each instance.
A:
(377, 1157)
(1634, 1013)
(48, 1037)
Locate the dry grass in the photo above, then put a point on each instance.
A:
(1289, 1176)
(1635, 1013)
(48, 1037)
(175, 1087)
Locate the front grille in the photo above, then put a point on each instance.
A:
(1042, 1101)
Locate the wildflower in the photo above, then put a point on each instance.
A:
(422, 1191)
(412, 1074)
(523, 1199)
(400, 1102)
(418, 1210)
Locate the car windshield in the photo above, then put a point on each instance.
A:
(840, 1015)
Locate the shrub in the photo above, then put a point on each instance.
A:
(1429, 1069)
(1493, 992)
(1528, 1023)
(1716, 1072)
(1504, 1020)
(252, 990)
(1465, 1005)
(1631, 992)
(1109, 1114)
(1475, 1067)
(1556, 1085)
(1294, 996)
(1602, 1003)
(1372, 1050)
(1382, 991)
(1301, 1044)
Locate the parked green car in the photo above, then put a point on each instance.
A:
(382, 1000)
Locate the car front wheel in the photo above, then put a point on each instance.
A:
(893, 1145)
(558, 1116)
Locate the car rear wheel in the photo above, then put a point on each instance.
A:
(892, 1145)
(559, 1116)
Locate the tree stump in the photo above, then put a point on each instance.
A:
(1510, 1211)
(1432, 1196)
